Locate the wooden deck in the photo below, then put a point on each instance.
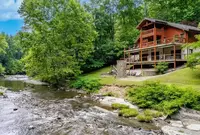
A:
(153, 62)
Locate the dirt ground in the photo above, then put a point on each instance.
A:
(114, 90)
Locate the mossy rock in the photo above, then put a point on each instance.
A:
(119, 106)
(144, 118)
(130, 112)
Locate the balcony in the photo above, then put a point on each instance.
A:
(150, 32)
(159, 58)
(164, 41)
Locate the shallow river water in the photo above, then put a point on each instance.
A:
(42, 110)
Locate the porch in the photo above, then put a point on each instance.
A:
(170, 53)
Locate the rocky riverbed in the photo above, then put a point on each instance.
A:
(43, 110)
(186, 122)
(38, 109)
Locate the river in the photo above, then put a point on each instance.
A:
(31, 109)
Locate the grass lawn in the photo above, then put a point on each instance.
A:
(183, 77)
(109, 80)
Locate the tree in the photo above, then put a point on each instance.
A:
(59, 38)
(174, 10)
(129, 15)
(3, 46)
(104, 15)
(194, 58)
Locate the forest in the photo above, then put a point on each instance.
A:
(65, 38)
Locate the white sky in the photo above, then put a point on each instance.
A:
(8, 9)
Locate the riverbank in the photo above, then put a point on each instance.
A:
(43, 110)
(186, 122)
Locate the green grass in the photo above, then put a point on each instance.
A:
(184, 78)
(119, 106)
(144, 118)
(130, 112)
(109, 80)
(154, 114)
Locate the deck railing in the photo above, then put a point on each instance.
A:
(164, 41)
(162, 57)
(151, 31)
(144, 32)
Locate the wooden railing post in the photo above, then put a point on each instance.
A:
(155, 43)
(141, 58)
(174, 57)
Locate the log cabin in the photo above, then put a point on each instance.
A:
(161, 41)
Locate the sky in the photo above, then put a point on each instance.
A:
(10, 21)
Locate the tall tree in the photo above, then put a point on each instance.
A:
(3, 46)
(175, 10)
(129, 15)
(194, 58)
(104, 15)
(59, 39)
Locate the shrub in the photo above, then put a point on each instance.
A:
(154, 114)
(2, 69)
(119, 106)
(144, 118)
(1, 93)
(161, 67)
(165, 98)
(130, 112)
(90, 85)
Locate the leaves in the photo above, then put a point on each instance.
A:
(61, 38)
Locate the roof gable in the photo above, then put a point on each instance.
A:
(175, 25)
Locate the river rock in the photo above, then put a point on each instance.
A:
(108, 101)
(194, 127)
(176, 123)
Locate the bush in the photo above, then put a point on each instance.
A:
(1, 93)
(2, 69)
(90, 85)
(167, 99)
(128, 112)
(119, 106)
(144, 118)
(154, 114)
(161, 67)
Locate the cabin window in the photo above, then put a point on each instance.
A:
(182, 35)
(190, 51)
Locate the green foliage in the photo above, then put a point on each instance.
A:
(3, 44)
(161, 67)
(167, 99)
(154, 114)
(11, 56)
(1, 93)
(130, 112)
(174, 10)
(144, 118)
(2, 69)
(61, 38)
(193, 58)
(90, 85)
(119, 106)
